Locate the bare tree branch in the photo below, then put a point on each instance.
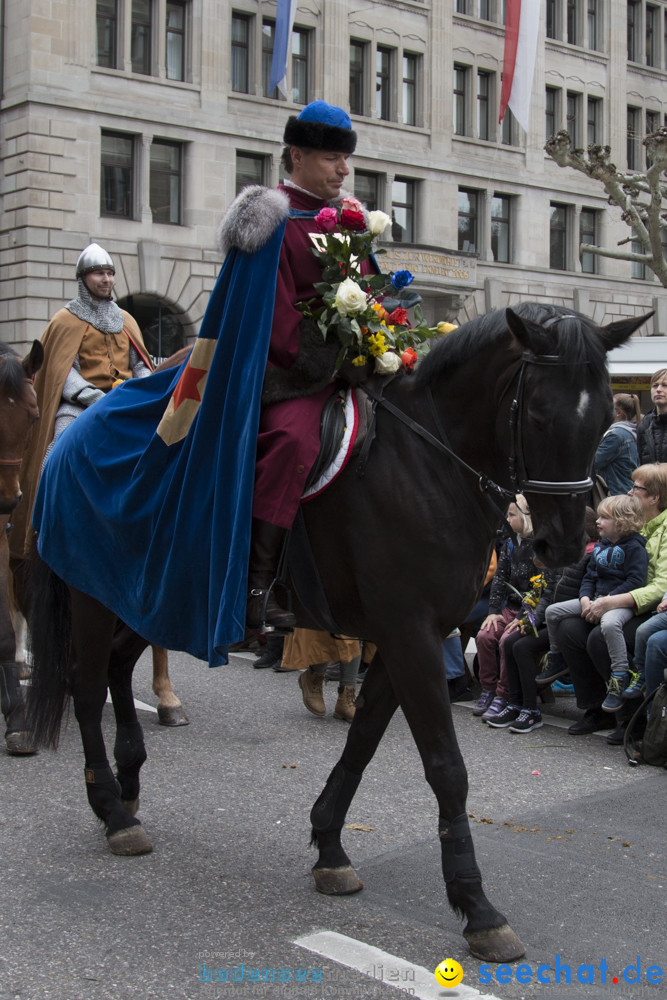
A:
(646, 216)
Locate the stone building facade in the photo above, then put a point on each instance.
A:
(135, 122)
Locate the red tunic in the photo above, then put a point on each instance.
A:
(289, 432)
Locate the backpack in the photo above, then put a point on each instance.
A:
(652, 748)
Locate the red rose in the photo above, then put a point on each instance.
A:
(352, 220)
(399, 317)
(408, 357)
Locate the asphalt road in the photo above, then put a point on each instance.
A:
(571, 842)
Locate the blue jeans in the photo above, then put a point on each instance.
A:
(656, 623)
(453, 653)
(656, 660)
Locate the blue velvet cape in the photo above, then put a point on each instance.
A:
(159, 533)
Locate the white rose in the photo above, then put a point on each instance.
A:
(378, 222)
(350, 299)
(387, 363)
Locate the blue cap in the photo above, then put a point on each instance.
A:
(321, 126)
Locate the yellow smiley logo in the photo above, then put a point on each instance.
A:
(449, 973)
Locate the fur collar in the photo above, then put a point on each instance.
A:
(251, 219)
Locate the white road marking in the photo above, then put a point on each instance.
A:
(368, 960)
(141, 705)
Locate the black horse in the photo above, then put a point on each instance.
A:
(512, 401)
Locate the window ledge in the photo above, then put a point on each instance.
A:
(136, 77)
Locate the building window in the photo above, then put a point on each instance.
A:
(500, 228)
(460, 99)
(572, 23)
(468, 220)
(403, 210)
(107, 33)
(483, 100)
(165, 181)
(117, 162)
(461, 6)
(573, 118)
(176, 51)
(594, 120)
(367, 189)
(485, 10)
(410, 65)
(633, 15)
(358, 52)
(241, 53)
(508, 129)
(268, 36)
(634, 138)
(638, 269)
(250, 169)
(551, 112)
(553, 19)
(588, 233)
(300, 61)
(558, 236)
(653, 35)
(593, 24)
(141, 34)
(383, 83)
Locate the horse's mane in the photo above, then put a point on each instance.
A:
(571, 337)
(12, 375)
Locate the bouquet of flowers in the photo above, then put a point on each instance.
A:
(530, 600)
(368, 313)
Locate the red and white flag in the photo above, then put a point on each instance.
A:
(522, 22)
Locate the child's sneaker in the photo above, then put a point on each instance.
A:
(635, 688)
(505, 718)
(496, 706)
(529, 719)
(483, 702)
(615, 687)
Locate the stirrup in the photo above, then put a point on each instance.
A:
(265, 626)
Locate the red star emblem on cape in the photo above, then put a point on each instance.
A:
(187, 396)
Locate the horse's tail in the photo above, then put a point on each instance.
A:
(50, 627)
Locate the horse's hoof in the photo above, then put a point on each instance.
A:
(130, 840)
(497, 944)
(172, 716)
(337, 881)
(19, 744)
(130, 805)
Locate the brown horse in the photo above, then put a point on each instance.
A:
(515, 401)
(18, 412)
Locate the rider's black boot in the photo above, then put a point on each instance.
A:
(263, 612)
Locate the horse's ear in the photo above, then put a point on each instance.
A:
(33, 361)
(615, 334)
(530, 335)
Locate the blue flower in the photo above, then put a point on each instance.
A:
(401, 279)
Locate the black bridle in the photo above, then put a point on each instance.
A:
(521, 483)
(517, 466)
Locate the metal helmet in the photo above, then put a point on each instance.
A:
(93, 258)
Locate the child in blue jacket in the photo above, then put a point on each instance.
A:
(617, 565)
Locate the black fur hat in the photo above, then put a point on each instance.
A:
(321, 126)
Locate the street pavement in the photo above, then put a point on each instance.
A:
(570, 840)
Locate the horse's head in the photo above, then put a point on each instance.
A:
(18, 412)
(561, 406)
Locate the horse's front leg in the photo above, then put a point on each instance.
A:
(129, 748)
(375, 705)
(92, 634)
(170, 711)
(423, 696)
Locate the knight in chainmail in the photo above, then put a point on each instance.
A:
(90, 346)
